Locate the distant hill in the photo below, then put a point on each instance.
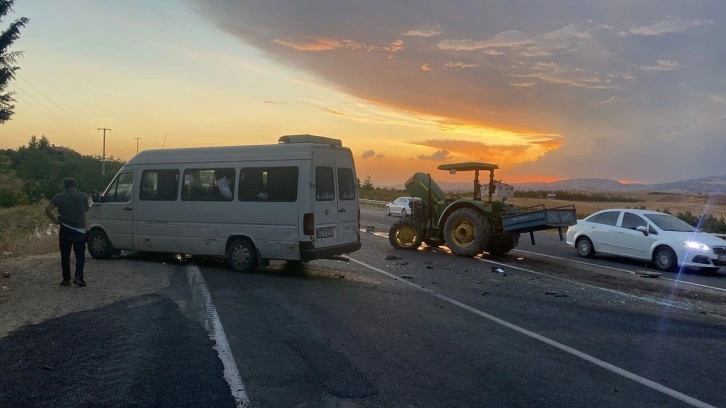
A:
(707, 185)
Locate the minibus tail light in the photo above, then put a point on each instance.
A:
(309, 224)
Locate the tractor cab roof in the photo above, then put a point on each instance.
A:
(470, 166)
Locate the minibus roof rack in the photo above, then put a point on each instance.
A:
(310, 139)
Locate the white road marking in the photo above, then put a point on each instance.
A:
(567, 349)
(617, 269)
(216, 332)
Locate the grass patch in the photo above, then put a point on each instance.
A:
(26, 230)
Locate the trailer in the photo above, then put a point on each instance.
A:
(538, 218)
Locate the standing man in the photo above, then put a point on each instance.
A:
(72, 206)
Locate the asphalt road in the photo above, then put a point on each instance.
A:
(389, 328)
(429, 329)
(548, 246)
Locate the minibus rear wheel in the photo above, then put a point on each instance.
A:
(242, 255)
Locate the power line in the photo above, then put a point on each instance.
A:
(46, 110)
(51, 101)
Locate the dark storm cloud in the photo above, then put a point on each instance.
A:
(635, 89)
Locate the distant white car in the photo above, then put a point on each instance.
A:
(652, 236)
(400, 206)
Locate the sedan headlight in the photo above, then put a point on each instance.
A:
(695, 245)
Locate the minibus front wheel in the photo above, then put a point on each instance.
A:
(99, 245)
(242, 255)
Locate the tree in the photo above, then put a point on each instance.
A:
(7, 59)
(368, 184)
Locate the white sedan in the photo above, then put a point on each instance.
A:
(400, 206)
(652, 236)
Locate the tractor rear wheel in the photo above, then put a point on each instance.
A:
(405, 235)
(467, 232)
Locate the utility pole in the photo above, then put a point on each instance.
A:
(103, 163)
(137, 143)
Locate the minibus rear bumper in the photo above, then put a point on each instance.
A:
(308, 253)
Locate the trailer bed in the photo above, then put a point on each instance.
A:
(538, 218)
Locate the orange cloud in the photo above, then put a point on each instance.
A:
(307, 43)
(466, 150)
(319, 44)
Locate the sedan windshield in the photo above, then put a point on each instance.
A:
(669, 223)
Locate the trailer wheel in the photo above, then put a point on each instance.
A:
(405, 235)
(502, 244)
(99, 246)
(242, 255)
(467, 232)
(432, 243)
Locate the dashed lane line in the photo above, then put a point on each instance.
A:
(567, 349)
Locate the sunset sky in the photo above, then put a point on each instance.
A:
(551, 89)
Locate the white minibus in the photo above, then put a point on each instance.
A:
(296, 200)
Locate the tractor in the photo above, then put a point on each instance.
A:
(466, 226)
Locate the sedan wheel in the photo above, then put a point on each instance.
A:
(665, 259)
(584, 247)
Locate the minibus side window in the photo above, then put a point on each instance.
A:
(272, 184)
(119, 191)
(324, 184)
(159, 185)
(208, 185)
(346, 184)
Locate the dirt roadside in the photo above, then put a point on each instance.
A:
(30, 292)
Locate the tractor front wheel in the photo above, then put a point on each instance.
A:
(467, 232)
(405, 235)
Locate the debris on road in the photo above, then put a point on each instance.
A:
(406, 276)
(497, 269)
(392, 257)
(647, 274)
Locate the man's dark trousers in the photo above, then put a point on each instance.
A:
(70, 238)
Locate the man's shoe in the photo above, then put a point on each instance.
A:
(79, 282)
(65, 283)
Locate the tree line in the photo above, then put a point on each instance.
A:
(36, 171)
(575, 196)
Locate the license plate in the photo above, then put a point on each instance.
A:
(722, 257)
(325, 233)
